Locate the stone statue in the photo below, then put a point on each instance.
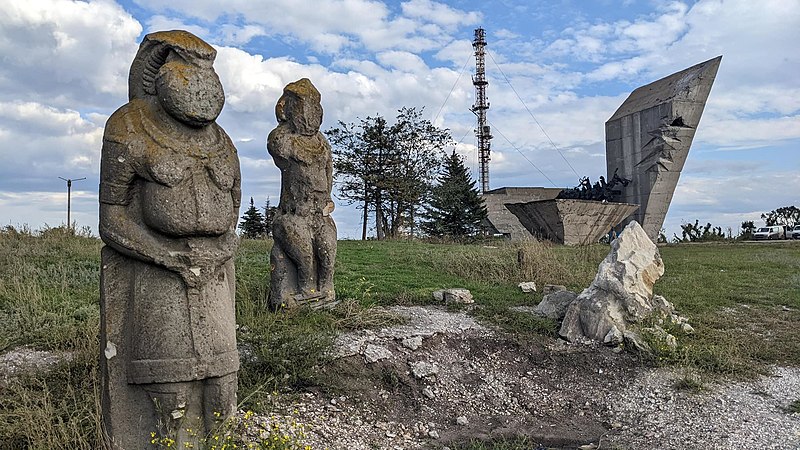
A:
(169, 202)
(304, 251)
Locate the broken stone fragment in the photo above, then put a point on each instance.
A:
(622, 291)
(374, 353)
(423, 369)
(614, 337)
(635, 343)
(428, 392)
(554, 306)
(412, 343)
(454, 295)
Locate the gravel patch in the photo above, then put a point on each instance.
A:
(442, 379)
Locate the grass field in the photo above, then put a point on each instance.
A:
(742, 299)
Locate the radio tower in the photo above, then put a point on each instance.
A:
(483, 133)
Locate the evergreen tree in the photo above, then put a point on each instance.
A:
(455, 209)
(269, 217)
(252, 224)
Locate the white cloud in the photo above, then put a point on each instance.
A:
(160, 23)
(72, 52)
(46, 143)
(439, 13)
(66, 63)
(330, 26)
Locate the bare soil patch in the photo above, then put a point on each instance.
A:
(483, 384)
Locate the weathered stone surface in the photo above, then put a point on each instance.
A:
(568, 221)
(634, 342)
(454, 295)
(412, 343)
(614, 337)
(527, 286)
(500, 220)
(550, 288)
(374, 353)
(622, 291)
(649, 136)
(554, 306)
(169, 203)
(304, 251)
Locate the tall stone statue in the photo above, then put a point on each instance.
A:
(305, 235)
(169, 202)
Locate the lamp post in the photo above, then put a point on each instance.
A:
(69, 197)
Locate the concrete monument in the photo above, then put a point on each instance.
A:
(304, 250)
(570, 221)
(500, 220)
(169, 203)
(648, 140)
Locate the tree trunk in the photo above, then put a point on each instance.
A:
(379, 218)
(364, 222)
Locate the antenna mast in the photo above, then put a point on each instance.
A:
(483, 132)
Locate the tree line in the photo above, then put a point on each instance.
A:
(400, 177)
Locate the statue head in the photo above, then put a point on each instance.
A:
(176, 69)
(300, 107)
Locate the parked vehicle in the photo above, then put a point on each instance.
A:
(771, 232)
(796, 232)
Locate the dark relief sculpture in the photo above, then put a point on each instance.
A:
(169, 201)
(304, 251)
(599, 191)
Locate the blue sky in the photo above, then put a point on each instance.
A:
(64, 65)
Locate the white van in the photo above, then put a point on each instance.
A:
(796, 232)
(771, 232)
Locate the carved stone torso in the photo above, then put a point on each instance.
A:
(185, 184)
(304, 161)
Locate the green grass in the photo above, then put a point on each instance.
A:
(733, 294)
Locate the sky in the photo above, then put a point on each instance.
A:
(557, 71)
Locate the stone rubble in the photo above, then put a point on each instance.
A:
(563, 396)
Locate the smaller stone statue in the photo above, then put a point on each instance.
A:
(304, 250)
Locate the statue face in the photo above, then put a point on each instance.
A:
(304, 116)
(189, 93)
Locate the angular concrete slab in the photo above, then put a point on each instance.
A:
(570, 222)
(500, 220)
(649, 136)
